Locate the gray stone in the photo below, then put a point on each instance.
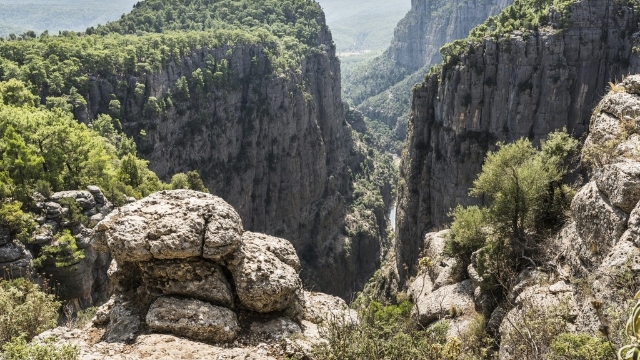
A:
(5, 236)
(196, 279)
(83, 198)
(281, 248)
(53, 210)
(193, 319)
(324, 308)
(21, 267)
(175, 224)
(124, 324)
(263, 282)
(448, 301)
(598, 222)
(621, 184)
(97, 194)
(11, 252)
(276, 329)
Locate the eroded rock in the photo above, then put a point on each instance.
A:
(195, 278)
(263, 282)
(620, 182)
(452, 300)
(172, 225)
(193, 319)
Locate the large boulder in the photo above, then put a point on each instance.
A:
(193, 319)
(171, 225)
(448, 301)
(83, 198)
(598, 222)
(621, 184)
(264, 283)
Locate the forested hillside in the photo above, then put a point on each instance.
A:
(245, 92)
(381, 89)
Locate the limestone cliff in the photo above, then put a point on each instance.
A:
(583, 275)
(522, 84)
(273, 143)
(382, 88)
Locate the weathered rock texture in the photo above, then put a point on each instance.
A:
(183, 262)
(83, 282)
(275, 146)
(521, 85)
(593, 259)
(415, 47)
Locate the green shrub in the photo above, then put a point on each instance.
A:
(74, 212)
(522, 187)
(580, 347)
(63, 251)
(19, 349)
(19, 223)
(25, 310)
(386, 332)
(467, 234)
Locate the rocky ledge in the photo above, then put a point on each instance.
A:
(184, 269)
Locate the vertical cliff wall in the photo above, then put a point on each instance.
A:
(272, 143)
(382, 88)
(522, 84)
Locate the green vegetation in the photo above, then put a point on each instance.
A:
(50, 149)
(525, 195)
(19, 349)
(386, 332)
(26, 311)
(526, 15)
(63, 251)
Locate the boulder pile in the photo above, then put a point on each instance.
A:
(183, 262)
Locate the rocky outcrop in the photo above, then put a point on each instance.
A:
(584, 275)
(183, 262)
(523, 84)
(271, 142)
(382, 88)
(83, 281)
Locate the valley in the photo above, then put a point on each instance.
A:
(262, 179)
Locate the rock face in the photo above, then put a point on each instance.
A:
(521, 85)
(593, 259)
(83, 282)
(416, 45)
(193, 319)
(194, 272)
(275, 146)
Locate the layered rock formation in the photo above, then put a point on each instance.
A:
(184, 265)
(274, 144)
(523, 84)
(382, 88)
(82, 280)
(193, 271)
(585, 274)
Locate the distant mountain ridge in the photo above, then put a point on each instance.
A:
(381, 89)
